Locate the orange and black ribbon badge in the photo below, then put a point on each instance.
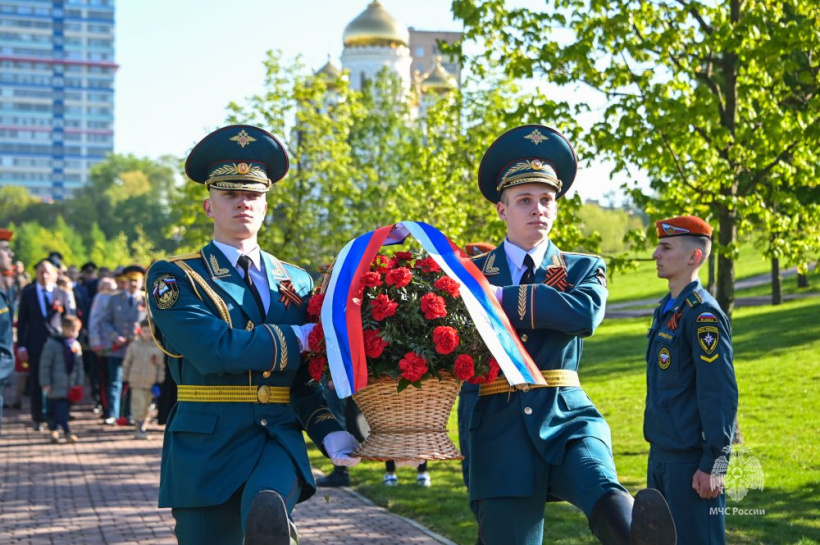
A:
(673, 322)
(288, 295)
(557, 278)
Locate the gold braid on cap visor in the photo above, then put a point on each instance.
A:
(543, 173)
(240, 176)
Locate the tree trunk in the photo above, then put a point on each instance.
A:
(802, 281)
(777, 282)
(712, 286)
(727, 235)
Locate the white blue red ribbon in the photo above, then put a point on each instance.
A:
(342, 317)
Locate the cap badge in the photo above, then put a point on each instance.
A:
(536, 164)
(672, 230)
(243, 168)
(243, 138)
(536, 137)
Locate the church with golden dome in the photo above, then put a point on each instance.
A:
(375, 39)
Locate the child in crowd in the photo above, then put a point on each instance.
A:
(63, 302)
(61, 368)
(143, 368)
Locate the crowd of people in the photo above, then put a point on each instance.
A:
(228, 324)
(73, 329)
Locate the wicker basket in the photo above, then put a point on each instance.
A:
(408, 425)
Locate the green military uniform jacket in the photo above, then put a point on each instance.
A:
(551, 316)
(691, 391)
(207, 318)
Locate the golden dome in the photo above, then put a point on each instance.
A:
(329, 71)
(438, 79)
(374, 26)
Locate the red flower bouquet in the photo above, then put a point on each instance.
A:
(415, 325)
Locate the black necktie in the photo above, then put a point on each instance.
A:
(245, 263)
(529, 273)
(45, 303)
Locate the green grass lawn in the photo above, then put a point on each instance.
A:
(777, 362)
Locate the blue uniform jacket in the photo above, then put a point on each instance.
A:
(6, 334)
(551, 316)
(208, 318)
(691, 391)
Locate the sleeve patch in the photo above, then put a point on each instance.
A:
(708, 338)
(707, 318)
(165, 291)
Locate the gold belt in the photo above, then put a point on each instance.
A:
(554, 378)
(234, 394)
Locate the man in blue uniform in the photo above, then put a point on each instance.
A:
(6, 317)
(530, 445)
(231, 317)
(691, 398)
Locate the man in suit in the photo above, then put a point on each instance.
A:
(119, 324)
(531, 444)
(36, 311)
(233, 321)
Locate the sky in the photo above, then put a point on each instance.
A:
(182, 61)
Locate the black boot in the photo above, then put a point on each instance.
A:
(268, 522)
(340, 476)
(652, 521)
(617, 519)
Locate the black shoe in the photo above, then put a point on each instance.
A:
(651, 520)
(338, 477)
(268, 522)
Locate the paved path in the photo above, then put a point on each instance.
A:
(645, 307)
(103, 490)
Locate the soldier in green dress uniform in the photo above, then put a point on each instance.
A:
(530, 445)
(691, 391)
(232, 319)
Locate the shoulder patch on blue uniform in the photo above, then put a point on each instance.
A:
(664, 358)
(707, 317)
(165, 291)
(708, 338)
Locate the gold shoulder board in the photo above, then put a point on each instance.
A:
(183, 257)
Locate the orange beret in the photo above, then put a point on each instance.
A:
(475, 248)
(5, 234)
(683, 226)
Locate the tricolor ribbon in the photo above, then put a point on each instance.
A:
(342, 307)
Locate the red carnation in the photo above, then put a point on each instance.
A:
(402, 256)
(464, 367)
(374, 345)
(445, 283)
(371, 280)
(382, 307)
(446, 339)
(316, 338)
(398, 277)
(412, 366)
(428, 264)
(315, 304)
(492, 374)
(382, 264)
(433, 306)
(316, 367)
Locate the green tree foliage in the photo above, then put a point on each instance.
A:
(125, 192)
(699, 96)
(362, 160)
